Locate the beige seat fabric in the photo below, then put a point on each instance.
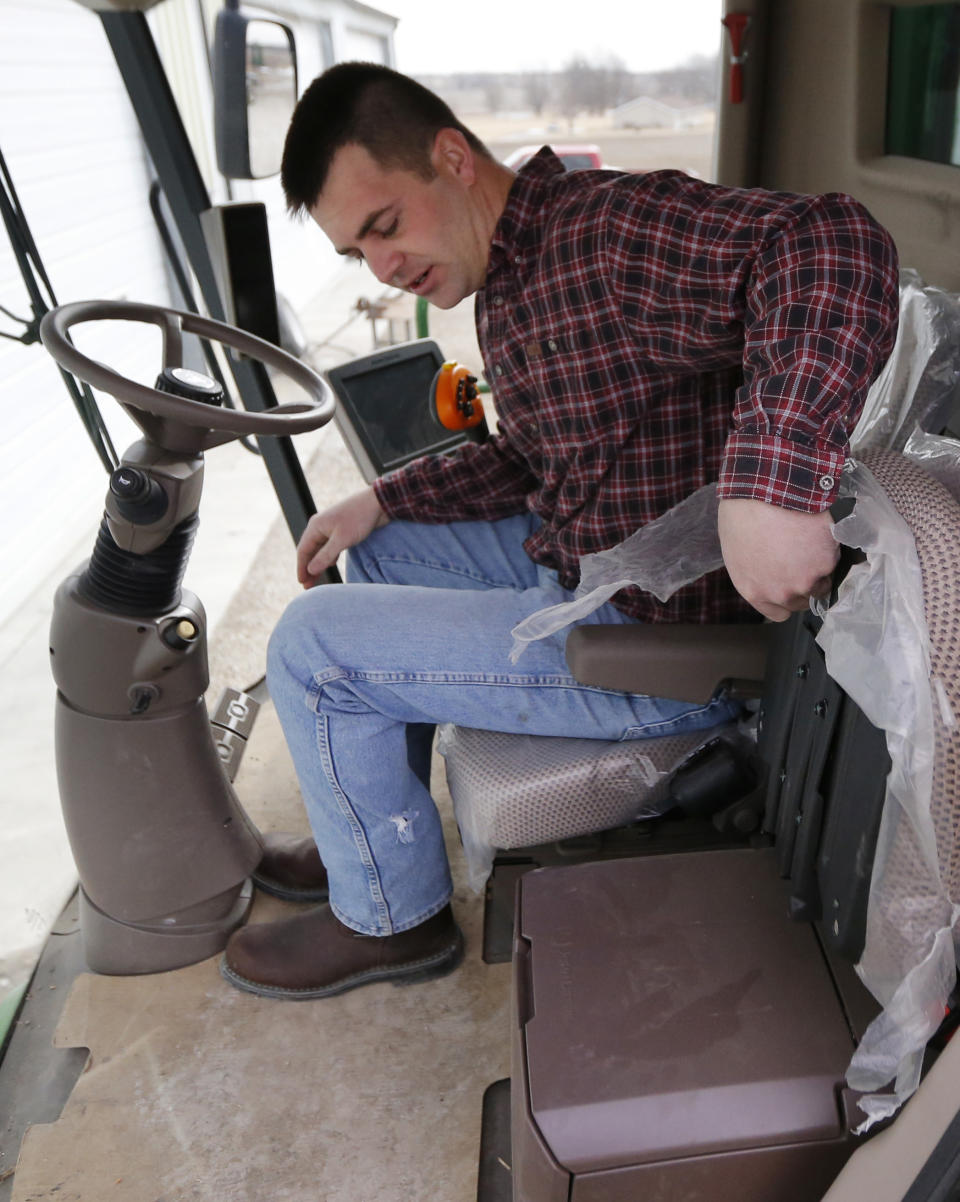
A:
(917, 898)
(521, 790)
(892, 642)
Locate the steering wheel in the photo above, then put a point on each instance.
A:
(291, 418)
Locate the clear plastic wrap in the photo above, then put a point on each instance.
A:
(919, 383)
(876, 642)
(677, 548)
(938, 456)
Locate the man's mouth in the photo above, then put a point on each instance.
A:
(417, 283)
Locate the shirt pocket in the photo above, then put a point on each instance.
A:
(588, 380)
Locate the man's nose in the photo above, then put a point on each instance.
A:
(385, 263)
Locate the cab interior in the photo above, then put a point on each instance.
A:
(660, 1009)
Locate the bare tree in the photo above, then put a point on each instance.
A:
(574, 87)
(592, 87)
(493, 92)
(536, 90)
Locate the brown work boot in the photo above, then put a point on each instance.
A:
(291, 868)
(313, 955)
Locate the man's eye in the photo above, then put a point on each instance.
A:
(391, 229)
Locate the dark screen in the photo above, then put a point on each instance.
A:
(393, 412)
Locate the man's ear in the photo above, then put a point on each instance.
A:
(453, 154)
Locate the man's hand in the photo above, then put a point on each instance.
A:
(777, 558)
(330, 532)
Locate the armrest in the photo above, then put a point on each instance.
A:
(683, 662)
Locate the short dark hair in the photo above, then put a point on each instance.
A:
(392, 116)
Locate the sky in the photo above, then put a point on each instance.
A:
(450, 36)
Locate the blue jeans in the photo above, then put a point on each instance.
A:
(361, 672)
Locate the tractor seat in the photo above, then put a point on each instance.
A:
(517, 791)
(677, 1032)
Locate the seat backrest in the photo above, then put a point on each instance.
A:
(919, 876)
(881, 864)
(818, 742)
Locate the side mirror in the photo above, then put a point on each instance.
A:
(254, 93)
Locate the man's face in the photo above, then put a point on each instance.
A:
(415, 234)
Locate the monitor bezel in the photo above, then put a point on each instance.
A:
(352, 426)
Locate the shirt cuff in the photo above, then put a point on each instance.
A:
(766, 467)
(396, 499)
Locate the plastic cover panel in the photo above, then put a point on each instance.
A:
(676, 1012)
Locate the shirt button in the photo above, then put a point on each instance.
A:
(498, 300)
(498, 370)
(552, 344)
(827, 482)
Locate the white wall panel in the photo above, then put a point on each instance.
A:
(75, 154)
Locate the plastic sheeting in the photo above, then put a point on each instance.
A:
(877, 649)
(677, 548)
(918, 386)
(516, 790)
(876, 643)
(938, 456)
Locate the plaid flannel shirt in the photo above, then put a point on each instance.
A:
(648, 334)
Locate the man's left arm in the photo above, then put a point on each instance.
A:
(822, 302)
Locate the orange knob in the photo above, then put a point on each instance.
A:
(455, 399)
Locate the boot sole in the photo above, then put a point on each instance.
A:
(289, 892)
(401, 974)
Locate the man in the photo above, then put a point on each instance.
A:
(643, 335)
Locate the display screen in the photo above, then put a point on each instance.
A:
(391, 410)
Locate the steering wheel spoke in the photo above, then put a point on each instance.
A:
(172, 330)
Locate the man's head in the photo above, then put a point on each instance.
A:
(390, 115)
(391, 176)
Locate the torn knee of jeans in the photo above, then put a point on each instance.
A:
(404, 824)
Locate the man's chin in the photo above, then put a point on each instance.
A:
(449, 298)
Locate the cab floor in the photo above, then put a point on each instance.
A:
(195, 1091)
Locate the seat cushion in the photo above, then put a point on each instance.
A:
(521, 790)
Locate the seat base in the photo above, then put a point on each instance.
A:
(675, 1036)
(668, 835)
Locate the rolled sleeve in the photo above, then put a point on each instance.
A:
(764, 467)
(822, 307)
